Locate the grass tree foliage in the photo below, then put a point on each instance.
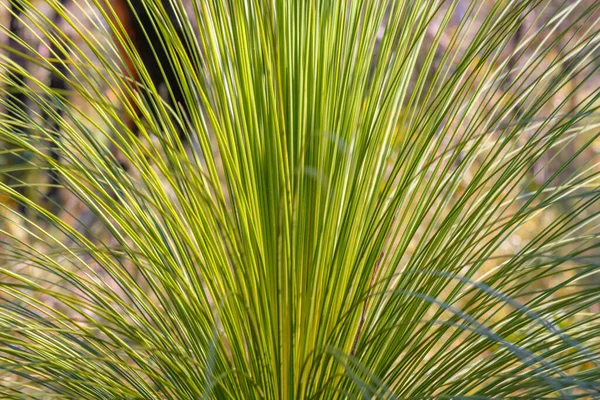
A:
(383, 199)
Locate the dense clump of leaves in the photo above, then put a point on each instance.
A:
(381, 199)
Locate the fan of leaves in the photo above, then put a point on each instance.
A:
(380, 199)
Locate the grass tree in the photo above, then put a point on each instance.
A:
(381, 199)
